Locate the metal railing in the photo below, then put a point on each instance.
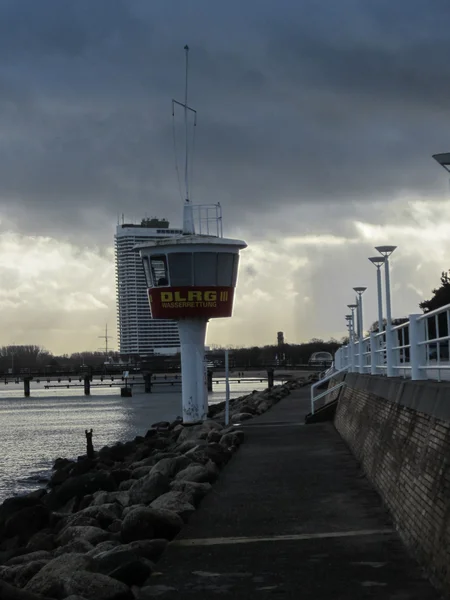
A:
(314, 386)
(420, 349)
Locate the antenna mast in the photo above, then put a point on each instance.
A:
(188, 217)
(105, 337)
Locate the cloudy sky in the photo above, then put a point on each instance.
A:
(316, 126)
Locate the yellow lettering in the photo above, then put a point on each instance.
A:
(210, 296)
(197, 296)
(166, 297)
(179, 297)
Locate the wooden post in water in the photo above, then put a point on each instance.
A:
(87, 385)
(210, 380)
(270, 378)
(148, 383)
(89, 445)
(26, 387)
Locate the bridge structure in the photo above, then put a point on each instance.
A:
(126, 380)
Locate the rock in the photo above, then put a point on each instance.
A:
(103, 547)
(193, 490)
(171, 466)
(140, 472)
(104, 514)
(17, 503)
(96, 586)
(211, 425)
(26, 571)
(93, 535)
(42, 540)
(218, 454)
(148, 488)
(74, 597)
(191, 432)
(214, 436)
(120, 475)
(76, 520)
(31, 556)
(230, 440)
(27, 522)
(189, 444)
(110, 498)
(199, 473)
(198, 454)
(177, 502)
(77, 546)
(50, 581)
(124, 564)
(161, 425)
(77, 487)
(147, 523)
(125, 485)
(115, 526)
(9, 592)
(238, 417)
(150, 549)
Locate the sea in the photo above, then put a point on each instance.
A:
(51, 423)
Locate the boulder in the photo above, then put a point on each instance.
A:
(147, 523)
(149, 549)
(104, 514)
(218, 454)
(9, 592)
(140, 472)
(77, 546)
(120, 475)
(197, 454)
(26, 571)
(177, 502)
(93, 535)
(115, 526)
(171, 466)
(241, 416)
(26, 522)
(148, 488)
(193, 491)
(110, 498)
(199, 473)
(229, 440)
(103, 547)
(42, 540)
(13, 505)
(77, 487)
(31, 556)
(96, 586)
(50, 581)
(126, 485)
(214, 436)
(189, 444)
(124, 564)
(191, 432)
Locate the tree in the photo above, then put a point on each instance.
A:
(441, 295)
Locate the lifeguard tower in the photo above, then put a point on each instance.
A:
(191, 279)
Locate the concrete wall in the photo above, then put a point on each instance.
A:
(400, 432)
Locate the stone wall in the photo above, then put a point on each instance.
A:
(400, 432)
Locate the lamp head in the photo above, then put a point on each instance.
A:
(348, 317)
(352, 306)
(378, 260)
(360, 290)
(386, 250)
(443, 160)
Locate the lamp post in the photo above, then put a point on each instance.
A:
(360, 291)
(349, 319)
(352, 307)
(386, 252)
(378, 261)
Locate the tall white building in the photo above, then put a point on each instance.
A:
(137, 332)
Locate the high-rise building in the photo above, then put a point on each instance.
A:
(137, 332)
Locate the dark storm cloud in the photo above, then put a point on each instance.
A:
(299, 102)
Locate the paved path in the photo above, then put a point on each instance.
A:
(292, 516)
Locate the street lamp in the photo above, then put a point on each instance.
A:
(443, 160)
(360, 291)
(350, 322)
(378, 261)
(352, 307)
(386, 252)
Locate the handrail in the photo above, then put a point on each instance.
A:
(320, 382)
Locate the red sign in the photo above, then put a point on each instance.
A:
(188, 302)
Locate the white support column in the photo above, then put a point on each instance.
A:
(373, 354)
(361, 335)
(417, 353)
(192, 341)
(390, 371)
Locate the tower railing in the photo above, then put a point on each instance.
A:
(208, 219)
(420, 349)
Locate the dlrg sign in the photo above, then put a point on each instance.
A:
(185, 302)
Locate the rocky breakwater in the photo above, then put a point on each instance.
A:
(101, 525)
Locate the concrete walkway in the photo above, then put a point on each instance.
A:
(292, 516)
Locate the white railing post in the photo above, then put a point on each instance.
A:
(351, 363)
(417, 351)
(373, 353)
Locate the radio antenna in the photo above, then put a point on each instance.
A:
(188, 217)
